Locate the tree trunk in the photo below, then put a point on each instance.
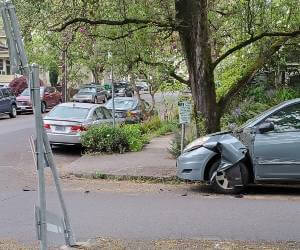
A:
(194, 36)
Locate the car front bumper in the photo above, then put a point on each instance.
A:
(87, 100)
(63, 139)
(23, 108)
(191, 165)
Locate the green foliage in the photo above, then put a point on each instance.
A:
(257, 99)
(136, 140)
(151, 125)
(129, 137)
(105, 138)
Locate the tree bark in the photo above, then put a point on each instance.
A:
(191, 16)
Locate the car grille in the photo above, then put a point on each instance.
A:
(22, 103)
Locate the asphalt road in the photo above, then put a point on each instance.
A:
(152, 216)
(16, 160)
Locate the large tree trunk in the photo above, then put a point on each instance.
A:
(193, 32)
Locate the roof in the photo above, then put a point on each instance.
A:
(126, 98)
(79, 105)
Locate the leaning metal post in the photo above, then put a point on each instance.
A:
(69, 236)
(35, 91)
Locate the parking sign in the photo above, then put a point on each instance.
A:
(185, 110)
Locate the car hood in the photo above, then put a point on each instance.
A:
(23, 98)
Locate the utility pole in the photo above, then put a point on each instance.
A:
(65, 76)
(35, 94)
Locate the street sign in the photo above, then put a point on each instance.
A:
(185, 110)
(54, 223)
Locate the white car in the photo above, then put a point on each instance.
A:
(65, 123)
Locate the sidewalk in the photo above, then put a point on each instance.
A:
(154, 161)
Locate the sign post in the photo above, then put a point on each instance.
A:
(185, 108)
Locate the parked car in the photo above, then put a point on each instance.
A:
(264, 150)
(123, 89)
(8, 104)
(92, 94)
(142, 86)
(65, 123)
(50, 97)
(128, 108)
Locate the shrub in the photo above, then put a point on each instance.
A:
(105, 138)
(133, 133)
(151, 125)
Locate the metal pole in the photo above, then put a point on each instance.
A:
(182, 137)
(35, 89)
(17, 37)
(65, 88)
(69, 237)
(113, 97)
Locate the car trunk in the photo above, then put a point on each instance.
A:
(64, 126)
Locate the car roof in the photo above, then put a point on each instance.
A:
(126, 98)
(79, 105)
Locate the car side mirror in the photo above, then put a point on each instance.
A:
(266, 127)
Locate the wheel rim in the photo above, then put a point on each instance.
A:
(222, 181)
(43, 107)
(14, 111)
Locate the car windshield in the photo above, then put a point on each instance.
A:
(247, 123)
(121, 104)
(26, 92)
(87, 90)
(68, 112)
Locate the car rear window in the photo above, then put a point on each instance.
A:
(87, 90)
(69, 112)
(121, 104)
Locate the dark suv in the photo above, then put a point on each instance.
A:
(8, 103)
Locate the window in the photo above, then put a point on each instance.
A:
(107, 113)
(100, 114)
(286, 119)
(8, 67)
(1, 65)
(5, 92)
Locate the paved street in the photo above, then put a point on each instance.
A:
(128, 210)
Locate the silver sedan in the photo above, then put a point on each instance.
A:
(65, 123)
(264, 150)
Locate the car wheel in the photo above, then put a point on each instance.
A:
(221, 183)
(13, 112)
(43, 107)
(105, 99)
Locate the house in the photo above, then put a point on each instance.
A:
(5, 70)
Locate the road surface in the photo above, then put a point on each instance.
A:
(144, 211)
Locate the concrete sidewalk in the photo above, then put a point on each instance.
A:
(154, 161)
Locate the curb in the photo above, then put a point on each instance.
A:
(151, 179)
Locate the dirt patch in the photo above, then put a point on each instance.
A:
(114, 244)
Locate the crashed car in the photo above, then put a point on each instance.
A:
(266, 149)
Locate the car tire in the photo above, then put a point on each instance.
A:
(43, 107)
(105, 99)
(13, 111)
(220, 181)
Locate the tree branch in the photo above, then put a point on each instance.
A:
(125, 21)
(249, 74)
(129, 32)
(252, 40)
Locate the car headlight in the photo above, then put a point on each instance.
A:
(195, 144)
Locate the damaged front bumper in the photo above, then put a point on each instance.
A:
(192, 165)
